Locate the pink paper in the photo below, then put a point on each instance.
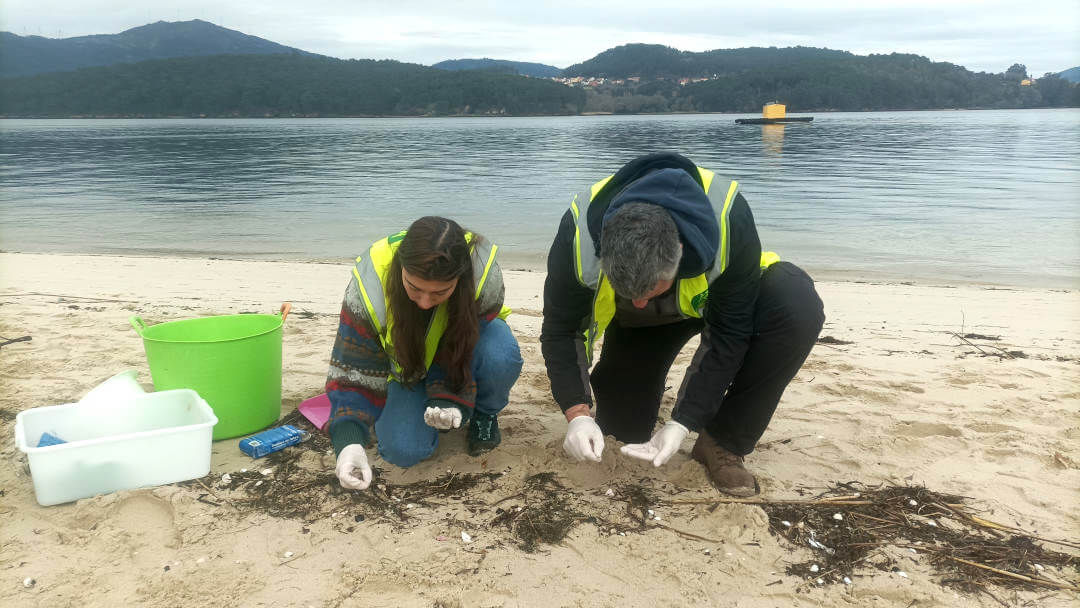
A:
(316, 410)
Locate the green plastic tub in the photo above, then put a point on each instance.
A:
(232, 361)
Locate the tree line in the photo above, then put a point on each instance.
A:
(807, 79)
(281, 85)
(736, 80)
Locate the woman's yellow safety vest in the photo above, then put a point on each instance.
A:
(371, 273)
(693, 292)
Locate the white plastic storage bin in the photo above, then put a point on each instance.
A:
(145, 440)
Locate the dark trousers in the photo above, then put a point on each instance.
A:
(629, 379)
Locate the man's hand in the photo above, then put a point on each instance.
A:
(352, 461)
(443, 418)
(584, 439)
(661, 447)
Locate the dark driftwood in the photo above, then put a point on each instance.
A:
(7, 341)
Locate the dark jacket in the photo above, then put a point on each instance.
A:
(729, 313)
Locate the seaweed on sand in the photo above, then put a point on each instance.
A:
(546, 516)
(848, 526)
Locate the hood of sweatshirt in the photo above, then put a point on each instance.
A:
(682, 196)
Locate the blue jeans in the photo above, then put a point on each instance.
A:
(405, 439)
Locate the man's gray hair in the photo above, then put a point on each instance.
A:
(639, 247)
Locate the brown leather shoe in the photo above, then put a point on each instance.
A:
(725, 469)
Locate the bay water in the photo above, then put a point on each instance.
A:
(939, 197)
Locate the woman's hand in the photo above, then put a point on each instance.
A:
(351, 462)
(443, 418)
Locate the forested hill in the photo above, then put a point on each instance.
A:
(808, 79)
(634, 78)
(525, 68)
(27, 55)
(281, 85)
(653, 61)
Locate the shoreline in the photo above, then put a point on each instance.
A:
(428, 116)
(529, 263)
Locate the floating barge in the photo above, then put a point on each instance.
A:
(772, 114)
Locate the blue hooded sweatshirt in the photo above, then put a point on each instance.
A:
(677, 192)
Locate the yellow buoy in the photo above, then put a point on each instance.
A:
(774, 110)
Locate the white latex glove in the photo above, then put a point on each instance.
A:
(661, 447)
(352, 461)
(584, 439)
(443, 418)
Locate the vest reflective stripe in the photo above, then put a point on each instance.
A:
(725, 226)
(598, 186)
(371, 274)
(487, 267)
(693, 292)
(585, 262)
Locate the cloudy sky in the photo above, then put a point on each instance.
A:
(981, 36)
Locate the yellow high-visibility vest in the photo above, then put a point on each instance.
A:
(371, 273)
(693, 292)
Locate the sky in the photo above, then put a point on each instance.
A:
(985, 36)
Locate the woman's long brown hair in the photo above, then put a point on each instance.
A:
(434, 249)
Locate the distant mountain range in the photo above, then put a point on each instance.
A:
(524, 68)
(28, 55)
(281, 85)
(651, 61)
(195, 68)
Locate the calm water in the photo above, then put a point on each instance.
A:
(986, 196)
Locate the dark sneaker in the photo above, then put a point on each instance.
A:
(484, 433)
(725, 469)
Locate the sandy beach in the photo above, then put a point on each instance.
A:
(966, 390)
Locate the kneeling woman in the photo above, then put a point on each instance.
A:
(422, 347)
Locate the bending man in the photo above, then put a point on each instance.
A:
(648, 258)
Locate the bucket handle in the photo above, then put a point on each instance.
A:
(138, 324)
(20, 441)
(284, 312)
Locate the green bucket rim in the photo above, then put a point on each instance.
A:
(141, 328)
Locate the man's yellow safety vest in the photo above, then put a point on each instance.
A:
(371, 273)
(693, 292)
